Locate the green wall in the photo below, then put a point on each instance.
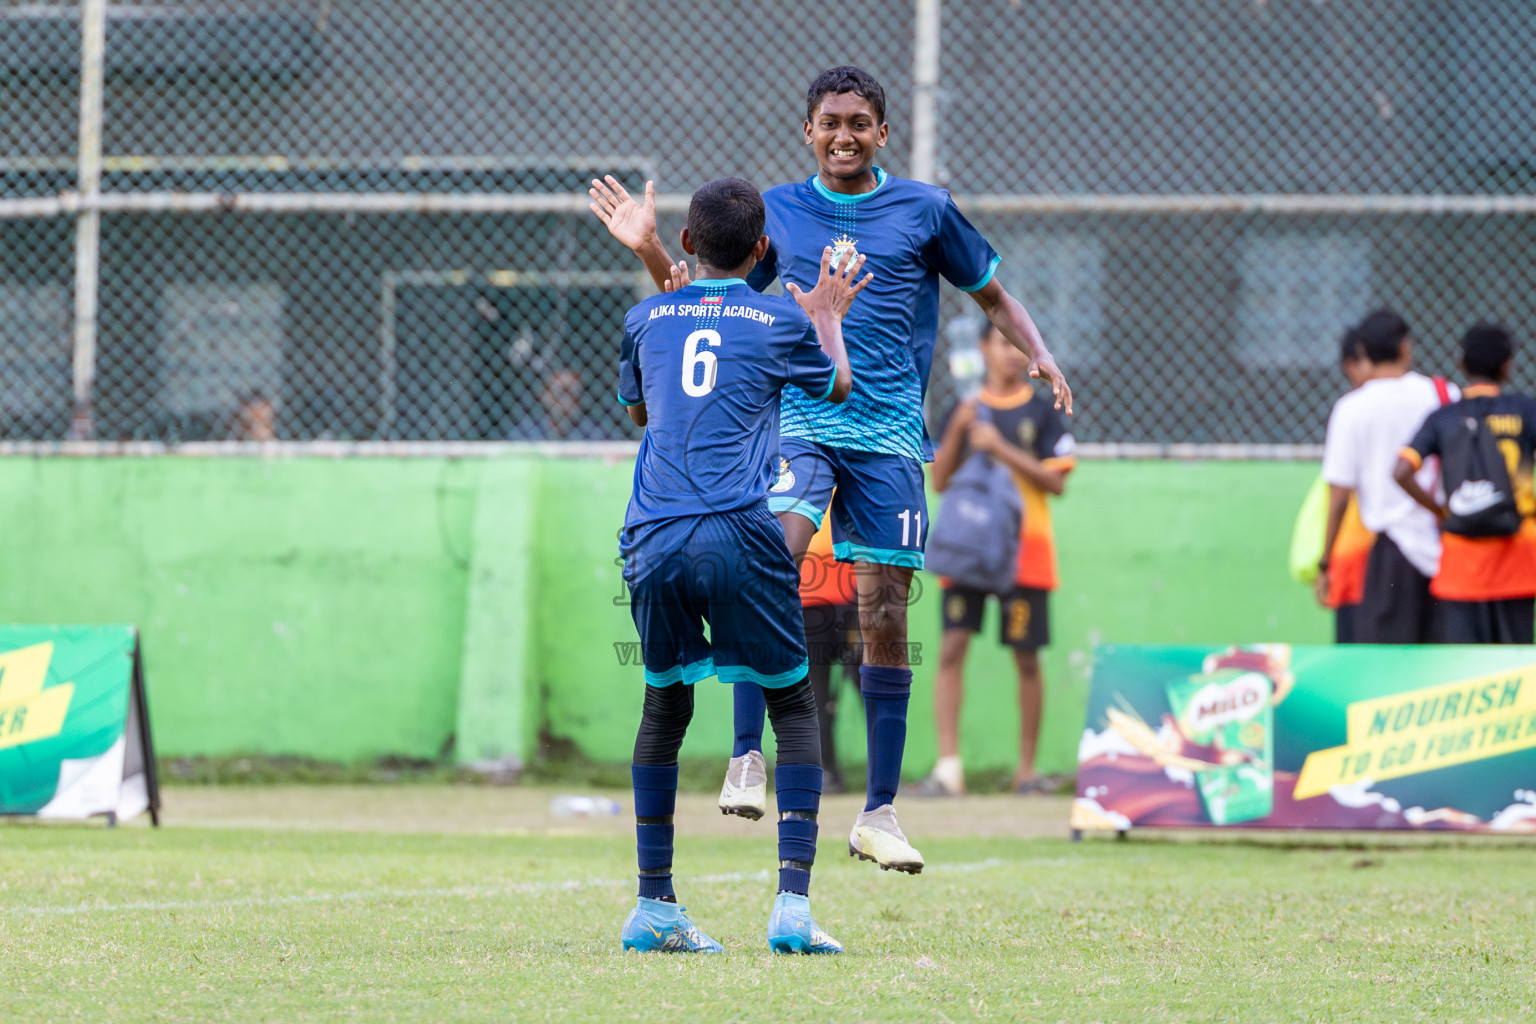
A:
(309, 606)
(350, 608)
(1150, 552)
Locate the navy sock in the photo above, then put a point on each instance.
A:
(885, 691)
(655, 802)
(750, 707)
(798, 789)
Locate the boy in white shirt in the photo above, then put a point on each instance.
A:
(1367, 429)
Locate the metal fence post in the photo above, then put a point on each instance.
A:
(925, 89)
(93, 46)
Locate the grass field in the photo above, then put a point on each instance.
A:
(437, 903)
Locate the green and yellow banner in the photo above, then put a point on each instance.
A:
(1270, 735)
(74, 735)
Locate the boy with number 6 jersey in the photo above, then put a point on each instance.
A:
(701, 368)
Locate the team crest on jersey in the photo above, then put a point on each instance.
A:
(785, 480)
(843, 248)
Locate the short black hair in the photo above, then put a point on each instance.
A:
(1485, 349)
(845, 78)
(1381, 335)
(1350, 347)
(725, 220)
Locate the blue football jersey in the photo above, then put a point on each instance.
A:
(709, 362)
(911, 234)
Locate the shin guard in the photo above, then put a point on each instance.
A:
(655, 803)
(798, 788)
(886, 690)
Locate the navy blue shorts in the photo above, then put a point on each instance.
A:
(879, 511)
(731, 570)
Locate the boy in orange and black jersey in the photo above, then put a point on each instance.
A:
(829, 598)
(1030, 437)
(1486, 584)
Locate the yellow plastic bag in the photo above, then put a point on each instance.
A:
(1308, 534)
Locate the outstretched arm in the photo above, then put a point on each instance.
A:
(1010, 317)
(826, 304)
(632, 223)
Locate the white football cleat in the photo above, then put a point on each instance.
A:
(877, 837)
(745, 792)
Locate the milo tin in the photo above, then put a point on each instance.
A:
(1231, 712)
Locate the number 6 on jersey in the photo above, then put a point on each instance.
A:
(696, 355)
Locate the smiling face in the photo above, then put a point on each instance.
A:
(845, 135)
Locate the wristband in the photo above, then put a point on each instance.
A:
(1322, 565)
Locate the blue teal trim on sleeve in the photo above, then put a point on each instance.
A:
(775, 680)
(627, 405)
(789, 503)
(846, 552)
(831, 386)
(839, 197)
(685, 674)
(987, 277)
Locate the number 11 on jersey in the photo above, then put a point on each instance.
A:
(911, 519)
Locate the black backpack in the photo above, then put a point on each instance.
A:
(1481, 497)
(975, 539)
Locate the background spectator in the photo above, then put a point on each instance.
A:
(1030, 437)
(563, 417)
(1342, 585)
(1367, 429)
(256, 420)
(1484, 444)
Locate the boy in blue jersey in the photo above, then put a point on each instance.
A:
(701, 368)
(872, 448)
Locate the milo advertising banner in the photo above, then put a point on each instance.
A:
(1273, 736)
(74, 735)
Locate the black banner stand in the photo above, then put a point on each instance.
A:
(140, 759)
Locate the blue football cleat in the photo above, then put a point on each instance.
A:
(655, 926)
(791, 929)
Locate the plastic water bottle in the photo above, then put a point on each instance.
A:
(567, 806)
(965, 363)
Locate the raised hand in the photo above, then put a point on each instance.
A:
(836, 287)
(630, 222)
(1043, 367)
(677, 278)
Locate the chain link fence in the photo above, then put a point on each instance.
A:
(330, 219)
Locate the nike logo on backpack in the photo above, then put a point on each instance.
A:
(1474, 496)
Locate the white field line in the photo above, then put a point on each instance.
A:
(439, 892)
(461, 891)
